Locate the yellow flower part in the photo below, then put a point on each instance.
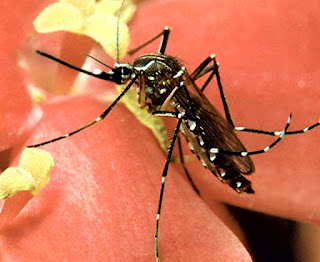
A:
(31, 175)
(16, 179)
(38, 163)
(98, 20)
(85, 6)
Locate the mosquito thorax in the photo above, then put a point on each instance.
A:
(121, 73)
(162, 73)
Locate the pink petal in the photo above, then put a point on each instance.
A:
(103, 195)
(18, 114)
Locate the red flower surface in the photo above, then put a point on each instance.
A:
(101, 201)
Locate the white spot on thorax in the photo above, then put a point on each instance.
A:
(145, 67)
(179, 73)
(162, 90)
(173, 103)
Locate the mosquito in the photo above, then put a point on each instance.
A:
(166, 89)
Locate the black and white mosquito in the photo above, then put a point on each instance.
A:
(165, 88)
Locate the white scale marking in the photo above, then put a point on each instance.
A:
(212, 156)
(162, 90)
(200, 140)
(214, 150)
(266, 149)
(181, 114)
(149, 89)
(144, 68)
(222, 172)
(192, 125)
(97, 71)
(239, 184)
(173, 103)
(190, 146)
(180, 73)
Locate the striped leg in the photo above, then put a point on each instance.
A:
(276, 133)
(203, 69)
(245, 153)
(98, 119)
(185, 168)
(164, 174)
(165, 36)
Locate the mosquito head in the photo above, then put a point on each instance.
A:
(121, 73)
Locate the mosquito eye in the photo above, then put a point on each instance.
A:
(125, 71)
(121, 75)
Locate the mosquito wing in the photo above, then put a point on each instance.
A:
(217, 132)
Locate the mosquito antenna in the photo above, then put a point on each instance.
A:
(118, 27)
(99, 61)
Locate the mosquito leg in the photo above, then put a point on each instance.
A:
(245, 153)
(166, 114)
(165, 36)
(276, 133)
(222, 95)
(203, 69)
(98, 74)
(176, 115)
(142, 92)
(98, 119)
(164, 174)
(185, 168)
